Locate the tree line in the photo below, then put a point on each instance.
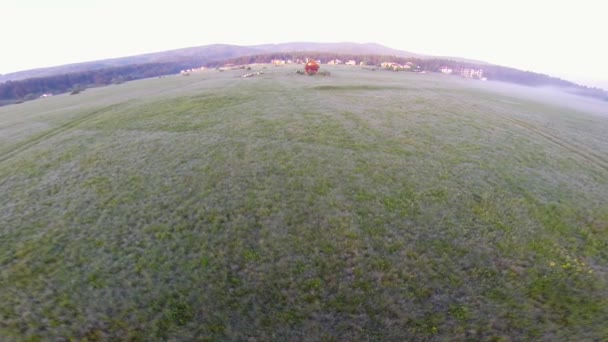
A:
(492, 72)
(31, 88)
(22, 90)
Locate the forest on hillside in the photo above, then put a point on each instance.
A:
(31, 88)
(492, 72)
(28, 89)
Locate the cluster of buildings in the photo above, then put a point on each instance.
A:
(397, 66)
(337, 61)
(466, 73)
(331, 62)
(289, 61)
(281, 61)
(472, 73)
(193, 70)
(408, 66)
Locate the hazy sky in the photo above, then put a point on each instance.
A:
(561, 38)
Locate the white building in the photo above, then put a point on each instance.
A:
(472, 73)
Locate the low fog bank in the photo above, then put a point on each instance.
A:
(549, 95)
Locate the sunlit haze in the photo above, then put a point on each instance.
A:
(560, 38)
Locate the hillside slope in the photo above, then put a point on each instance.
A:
(201, 54)
(209, 53)
(339, 48)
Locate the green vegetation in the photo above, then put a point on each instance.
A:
(361, 206)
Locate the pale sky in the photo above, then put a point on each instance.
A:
(562, 38)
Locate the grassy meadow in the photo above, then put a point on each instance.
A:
(367, 205)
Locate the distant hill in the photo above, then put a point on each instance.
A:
(339, 48)
(30, 84)
(202, 54)
(217, 52)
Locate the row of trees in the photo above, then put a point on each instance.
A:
(15, 91)
(492, 72)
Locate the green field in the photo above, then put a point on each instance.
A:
(367, 205)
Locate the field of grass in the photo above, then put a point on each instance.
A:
(368, 205)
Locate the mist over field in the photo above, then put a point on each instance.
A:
(548, 95)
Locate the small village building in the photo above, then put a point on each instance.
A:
(396, 66)
(472, 73)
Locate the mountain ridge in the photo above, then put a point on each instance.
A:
(217, 52)
(30, 84)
